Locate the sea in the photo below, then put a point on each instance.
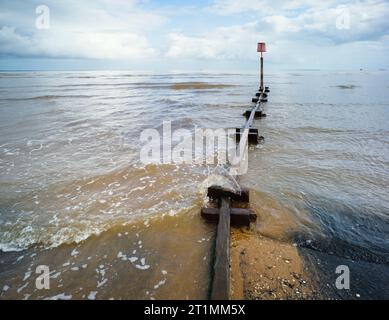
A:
(77, 199)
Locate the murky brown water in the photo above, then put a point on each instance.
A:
(75, 197)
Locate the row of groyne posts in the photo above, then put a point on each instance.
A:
(224, 213)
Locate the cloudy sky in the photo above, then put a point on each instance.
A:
(177, 35)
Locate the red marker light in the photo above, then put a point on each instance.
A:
(261, 47)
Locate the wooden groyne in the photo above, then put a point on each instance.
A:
(225, 214)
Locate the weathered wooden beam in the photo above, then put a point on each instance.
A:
(217, 193)
(258, 114)
(239, 216)
(236, 161)
(266, 89)
(224, 215)
(221, 271)
(261, 71)
(221, 268)
(253, 136)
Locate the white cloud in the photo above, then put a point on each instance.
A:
(105, 15)
(299, 34)
(103, 29)
(87, 45)
(234, 42)
(307, 18)
(368, 21)
(265, 6)
(13, 43)
(281, 23)
(296, 31)
(297, 43)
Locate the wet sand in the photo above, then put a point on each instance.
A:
(160, 258)
(265, 263)
(266, 269)
(270, 261)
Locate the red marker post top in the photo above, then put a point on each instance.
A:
(261, 47)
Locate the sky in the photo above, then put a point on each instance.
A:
(205, 35)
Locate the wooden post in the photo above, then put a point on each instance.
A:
(239, 217)
(261, 48)
(224, 214)
(221, 270)
(262, 85)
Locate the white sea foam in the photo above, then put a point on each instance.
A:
(61, 296)
(22, 287)
(27, 275)
(159, 284)
(145, 267)
(92, 295)
(55, 275)
(103, 282)
(9, 247)
(122, 256)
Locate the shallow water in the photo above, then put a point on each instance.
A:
(71, 179)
